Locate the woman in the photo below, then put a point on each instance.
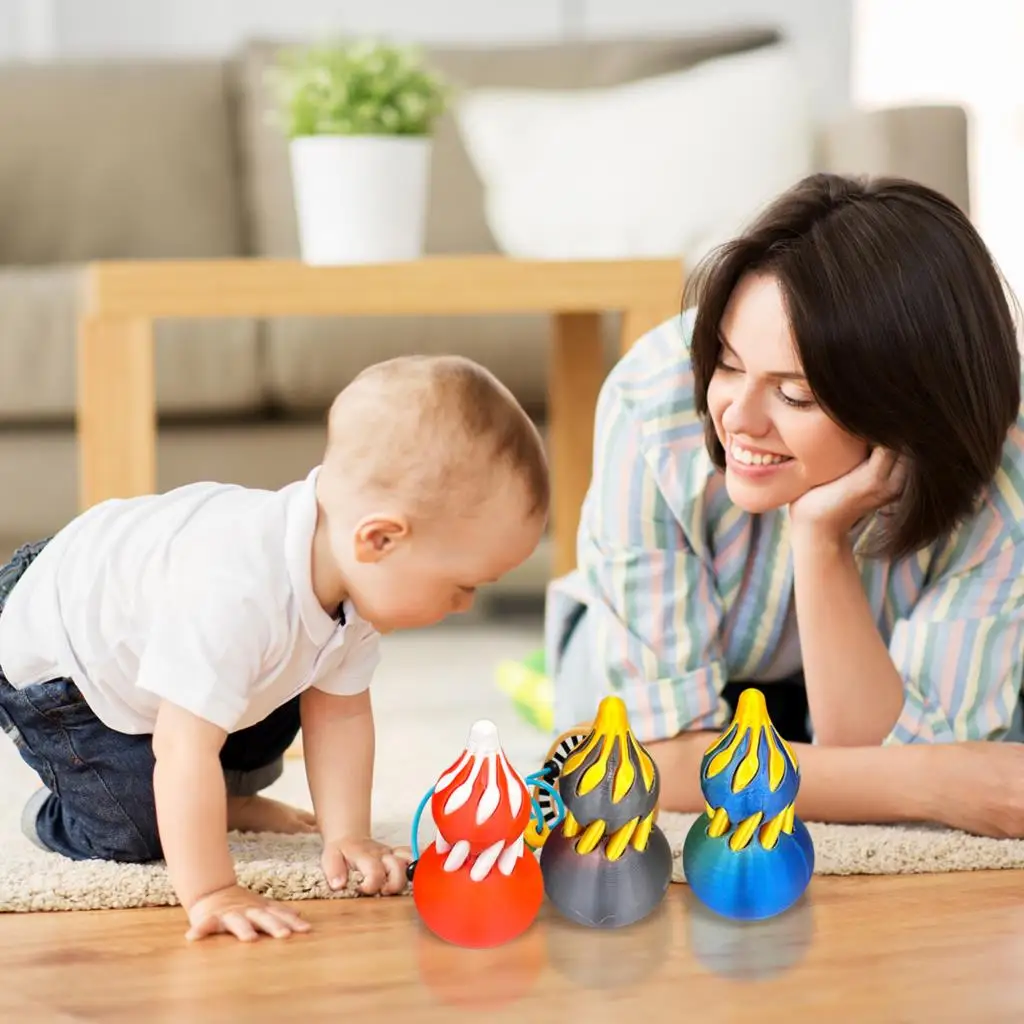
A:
(813, 481)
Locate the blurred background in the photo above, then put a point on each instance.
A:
(137, 129)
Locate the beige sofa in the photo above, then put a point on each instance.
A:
(174, 159)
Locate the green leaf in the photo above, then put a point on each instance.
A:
(359, 88)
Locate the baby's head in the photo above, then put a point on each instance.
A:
(434, 483)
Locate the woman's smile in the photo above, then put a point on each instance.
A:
(753, 462)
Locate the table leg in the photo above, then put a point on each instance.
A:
(637, 322)
(576, 374)
(116, 416)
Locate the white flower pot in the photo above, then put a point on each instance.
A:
(360, 198)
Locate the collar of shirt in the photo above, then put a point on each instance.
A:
(300, 526)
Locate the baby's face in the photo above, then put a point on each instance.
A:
(435, 572)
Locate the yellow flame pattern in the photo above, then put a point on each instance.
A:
(751, 719)
(611, 728)
(610, 731)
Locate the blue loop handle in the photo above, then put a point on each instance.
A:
(415, 844)
(537, 779)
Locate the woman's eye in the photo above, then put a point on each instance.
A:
(726, 368)
(798, 402)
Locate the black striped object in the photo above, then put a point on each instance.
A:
(552, 770)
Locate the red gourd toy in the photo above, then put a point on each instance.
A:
(478, 884)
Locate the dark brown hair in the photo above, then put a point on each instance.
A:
(904, 328)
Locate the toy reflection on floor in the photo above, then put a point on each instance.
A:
(607, 864)
(477, 884)
(748, 856)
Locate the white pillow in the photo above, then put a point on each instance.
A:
(662, 167)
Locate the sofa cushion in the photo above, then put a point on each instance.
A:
(308, 360)
(118, 160)
(926, 142)
(643, 169)
(202, 368)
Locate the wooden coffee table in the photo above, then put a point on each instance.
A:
(117, 418)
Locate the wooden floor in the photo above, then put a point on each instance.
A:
(890, 950)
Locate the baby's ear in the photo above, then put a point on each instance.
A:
(376, 536)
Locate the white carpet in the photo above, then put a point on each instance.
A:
(430, 689)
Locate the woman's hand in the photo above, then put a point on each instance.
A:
(979, 788)
(831, 510)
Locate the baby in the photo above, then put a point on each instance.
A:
(158, 654)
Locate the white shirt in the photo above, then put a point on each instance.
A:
(201, 596)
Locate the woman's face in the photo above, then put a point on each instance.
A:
(778, 442)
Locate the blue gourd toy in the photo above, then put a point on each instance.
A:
(748, 857)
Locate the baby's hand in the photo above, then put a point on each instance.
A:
(382, 868)
(242, 913)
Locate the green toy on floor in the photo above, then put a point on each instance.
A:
(527, 683)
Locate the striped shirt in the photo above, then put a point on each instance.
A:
(686, 591)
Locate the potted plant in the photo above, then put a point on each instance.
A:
(359, 118)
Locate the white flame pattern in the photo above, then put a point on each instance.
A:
(505, 856)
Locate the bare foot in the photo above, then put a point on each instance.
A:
(261, 814)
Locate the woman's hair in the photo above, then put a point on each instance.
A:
(903, 327)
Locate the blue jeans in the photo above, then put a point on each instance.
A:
(98, 802)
